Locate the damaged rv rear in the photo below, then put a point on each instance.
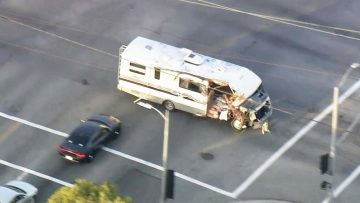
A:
(181, 79)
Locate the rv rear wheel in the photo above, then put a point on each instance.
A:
(237, 124)
(169, 105)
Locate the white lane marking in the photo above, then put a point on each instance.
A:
(349, 129)
(291, 142)
(26, 170)
(121, 154)
(347, 181)
(132, 158)
(210, 187)
(184, 177)
(344, 184)
(33, 124)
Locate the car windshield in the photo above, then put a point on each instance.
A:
(82, 134)
(15, 188)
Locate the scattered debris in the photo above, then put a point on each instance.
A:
(265, 128)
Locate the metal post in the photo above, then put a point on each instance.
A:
(165, 146)
(165, 156)
(334, 125)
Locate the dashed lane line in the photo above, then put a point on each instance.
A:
(4, 115)
(9, 131)
(29, 171)
(121, 154)
(258, 172)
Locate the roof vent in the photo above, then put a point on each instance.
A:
(220, 69)
(191, 57)
(148, 47)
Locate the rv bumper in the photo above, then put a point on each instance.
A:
(262, 115)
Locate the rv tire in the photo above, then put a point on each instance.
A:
(169, 105)
(237, 124)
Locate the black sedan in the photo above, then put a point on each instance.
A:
(88, 137)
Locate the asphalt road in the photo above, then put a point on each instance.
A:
(55, 83)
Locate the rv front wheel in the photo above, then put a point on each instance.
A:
(169, 105)
(237, 123)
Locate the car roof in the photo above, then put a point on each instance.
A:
(84, 132)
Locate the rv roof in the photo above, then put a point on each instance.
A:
(156, 54)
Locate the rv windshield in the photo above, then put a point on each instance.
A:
(256, 99)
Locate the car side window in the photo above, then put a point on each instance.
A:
(103, 132)
(97, 137)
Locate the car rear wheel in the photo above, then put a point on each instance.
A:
(90, 157)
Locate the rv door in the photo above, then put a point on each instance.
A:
(193, 92)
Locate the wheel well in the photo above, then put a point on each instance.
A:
(167, 100)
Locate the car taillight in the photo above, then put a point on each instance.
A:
(78, 154)
(62, 149)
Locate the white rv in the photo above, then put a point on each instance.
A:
(181, 79)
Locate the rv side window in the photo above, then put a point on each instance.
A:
(137, 68)
(192, 86)
(157, 73)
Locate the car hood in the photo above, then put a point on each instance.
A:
(6, 194)
(28, 188)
